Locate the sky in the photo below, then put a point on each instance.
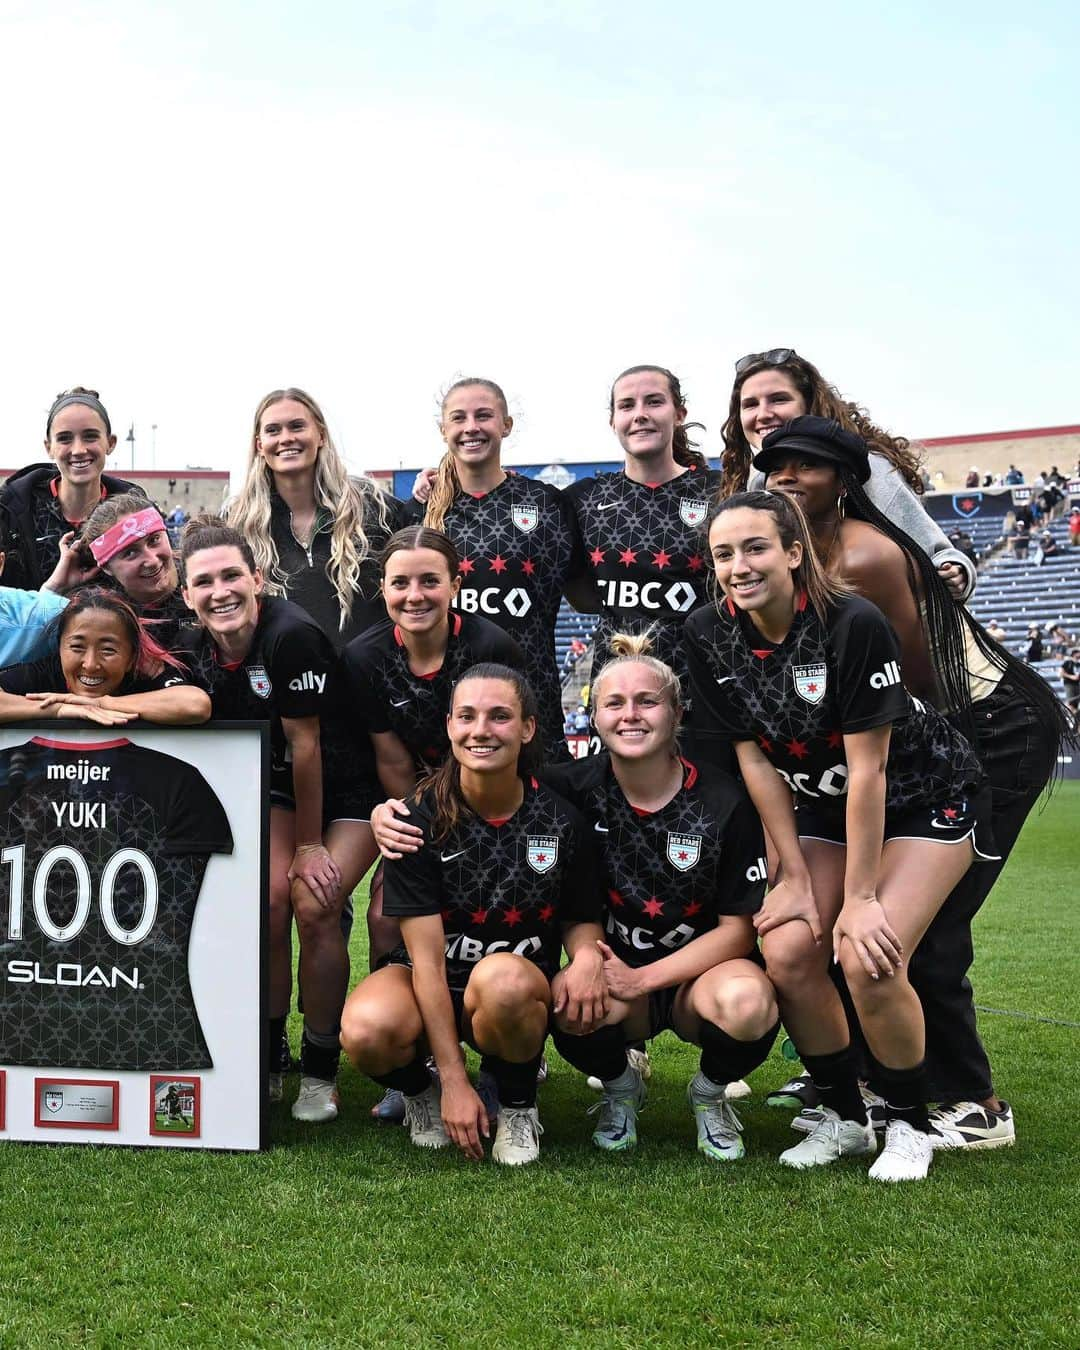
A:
(206, 201)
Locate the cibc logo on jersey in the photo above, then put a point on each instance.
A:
(630, 595)
(490, 600)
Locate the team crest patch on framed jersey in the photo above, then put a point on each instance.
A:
(809, 682)
(259, 681)
(541, 852)
(54, 1100)
(525, 517)
(683, 850)
(693, 512)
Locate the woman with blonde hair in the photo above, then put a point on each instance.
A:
(315, 530)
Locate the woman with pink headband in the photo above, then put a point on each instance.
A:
(44, 502)
(124, 541)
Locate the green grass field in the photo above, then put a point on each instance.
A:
(343, 1234)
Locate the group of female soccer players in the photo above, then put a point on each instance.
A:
(812, 760)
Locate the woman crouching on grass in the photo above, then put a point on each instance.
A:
(804, 678)
(508, 876)
(101, 666)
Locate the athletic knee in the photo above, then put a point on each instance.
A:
(745, 1009)
(791, 958)
(368, 1034)
(504, 987)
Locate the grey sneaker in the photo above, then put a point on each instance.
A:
(616, 1129)
(719, 1129)
(423, 1115)
(831, 1138)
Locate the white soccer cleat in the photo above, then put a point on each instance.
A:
(517, 1136)
(316, 1102)
(423, 1116)
(906, 1155)
(830, 1139)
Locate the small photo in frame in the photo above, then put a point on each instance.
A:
(175, 1106)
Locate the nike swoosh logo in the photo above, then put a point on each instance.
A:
(724, 679)
(401, 704)
(600, 829)
(607, 506)
(449, 857)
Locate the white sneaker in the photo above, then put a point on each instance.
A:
(275, 1087)
(637, 1059)
(316, 1102)
(969, 1125)
(831, 1138)
(906, 1155)
(423, 1116)
(517, 1136)
(719, 1129)
(738, 1090)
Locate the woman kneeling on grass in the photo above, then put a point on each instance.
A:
(101, 666)
(508, 875)
(804, 677)
(682, 853)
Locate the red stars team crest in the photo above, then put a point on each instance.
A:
(683, 850)
(693, 513)
(809, 682)
(259, 681)
(541, 852)
(525, 517)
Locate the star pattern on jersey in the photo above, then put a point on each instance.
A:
(644, 887)
(928, 761)
(633, 534)
(529, 569)
(93, 1025)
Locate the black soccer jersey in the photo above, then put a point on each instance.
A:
(500, 887)
(291, 670)
(307, 582)
(670, 874)
(106, 846)
(389, 697)
(166, 621)
(46, 676)
(518, 546)
(798, 698)
(644, 547)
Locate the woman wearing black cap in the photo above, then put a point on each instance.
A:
(1006, 710)
(44, 502)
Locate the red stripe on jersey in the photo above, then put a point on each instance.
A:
(498, 823)
(761, 653)
(430, 674)
(639, 810)
(455, 623)
(801, 603)
(79, 745)
(730, 606)
(691, 772)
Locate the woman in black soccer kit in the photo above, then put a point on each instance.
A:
(316, 532)
(44, 503)
(102, 667)
(804, 678)
(1009, 713)
(261, 658)
(507, 877)
(516, 537)
(641, 528)
(124, 543)
(682, 855)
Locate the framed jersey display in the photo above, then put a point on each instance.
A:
(133, 932)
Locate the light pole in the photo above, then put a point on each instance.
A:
(131, 441)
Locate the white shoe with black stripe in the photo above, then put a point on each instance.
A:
(969, 1125)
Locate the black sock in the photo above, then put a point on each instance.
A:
(515, 1083)
(602, 1053)
(319, 1054)
(273, 1045)
(904, 1091)
(413, 1079)
(836, 1078)
(724, 1059)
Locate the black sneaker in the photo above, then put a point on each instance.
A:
(796, 1094)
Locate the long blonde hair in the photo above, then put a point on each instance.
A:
(350, 502)
(447, 484)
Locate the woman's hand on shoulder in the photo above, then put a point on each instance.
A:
(392, 832)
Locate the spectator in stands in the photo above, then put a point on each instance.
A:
(988, 480)
(996, 631)
(1055, 476)
(1021, 538)
(581, 720)
(1046, 549)
(972, 480)
(1070, 678)
(569, 727)
(1059, 639)
(1074, 527)
(1014, 476)
(574, 653)
(1034, 651)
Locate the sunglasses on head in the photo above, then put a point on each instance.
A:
(778, 356)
